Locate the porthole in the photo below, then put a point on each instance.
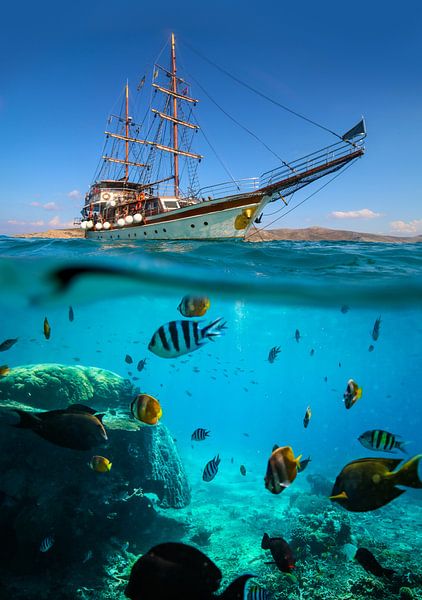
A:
(165, 230)
(155, 231)
(145, 232)
(205, 222)
(192, 225)
(128, 235)
(134, 234)
(118, 237)
(111, 237)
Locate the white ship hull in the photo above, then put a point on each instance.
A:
(214, 222)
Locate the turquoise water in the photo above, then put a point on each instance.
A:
(265, 292)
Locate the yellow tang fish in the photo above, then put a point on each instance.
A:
(4, 370)
(100, 464)
(47, 329)
(194, 306)
(147, 409)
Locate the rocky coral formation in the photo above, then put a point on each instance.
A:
(46, 490)
(50, 386)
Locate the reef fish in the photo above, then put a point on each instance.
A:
(272, 355)
(369, 483)
(172, 570)
(352, 394)
(141, 364)
(368, 561)
(181, 337)
(194, 306)
(211, 469)
(281, 470)
(200, 434)
(71, 314)
(297, 335)
(4, 370)
(47, 329)
(100, 464)
(242, 470)
(377, 439)
(47, 543)
(78, 427)
(147, 409)
(257, 593)
(307, 417)
(376, 329)
(371, 348)
(7, 344)
(280, 551)
(128, 359)
(345, 308)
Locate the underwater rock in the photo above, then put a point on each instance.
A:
(51, 386)
(320, 533)
(50, 491)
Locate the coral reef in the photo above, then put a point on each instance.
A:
(50, 386)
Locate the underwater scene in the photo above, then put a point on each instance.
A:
(210, 420)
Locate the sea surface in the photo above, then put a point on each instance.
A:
(317, 302)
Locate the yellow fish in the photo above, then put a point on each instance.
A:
(282, 469)
(100, 464)
(194, 306)
(47, 329)
(4, 370)
(352, 394)
(147, 409)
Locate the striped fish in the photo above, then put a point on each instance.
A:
(257, 593)
(377, 439)
(272, 355)
(199, 434)
(211, 469)
(181, 337)
(47, 543)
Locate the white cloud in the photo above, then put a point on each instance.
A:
(37, 223)
(363, 213)
(55, 221)
(414, 226)
(75, 195)
(16, 222)
(50, 206)
(35, 204)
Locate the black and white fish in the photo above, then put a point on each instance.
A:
(272, 355)
(47, 543)
(377, 439)
(199, 435)
(211, 469)
(181, 337)
(257, 593)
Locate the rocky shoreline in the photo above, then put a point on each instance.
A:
(309, 234)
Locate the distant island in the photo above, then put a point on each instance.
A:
(310, 234)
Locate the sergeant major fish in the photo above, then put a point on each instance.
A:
(272, 355)
(47, 543)
(211, 469)
(200, 434)
(377, 439)
(257, 593)
(181, 337)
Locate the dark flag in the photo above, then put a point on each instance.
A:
(358, 129)
(141, 84)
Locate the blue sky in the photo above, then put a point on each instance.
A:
(64, 67)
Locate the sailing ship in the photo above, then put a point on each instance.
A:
(141, 191)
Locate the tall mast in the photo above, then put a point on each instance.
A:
(175, 138)
(127, 133)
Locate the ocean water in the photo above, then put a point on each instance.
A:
(120, 296)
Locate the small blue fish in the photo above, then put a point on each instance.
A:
(211, 469)
(47, 543)
(181, 337)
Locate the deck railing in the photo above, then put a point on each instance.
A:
(228, 188)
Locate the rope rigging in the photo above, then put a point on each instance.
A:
(259, 93)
